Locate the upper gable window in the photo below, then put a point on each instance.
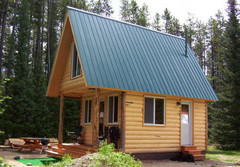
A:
(76, 67)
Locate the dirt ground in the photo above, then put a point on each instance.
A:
(8, 154)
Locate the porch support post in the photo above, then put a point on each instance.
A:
(96, 119)
(123, 120)
(60, 130)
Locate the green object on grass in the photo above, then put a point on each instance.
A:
(38, 161)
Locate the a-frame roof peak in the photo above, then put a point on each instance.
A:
(123, 56)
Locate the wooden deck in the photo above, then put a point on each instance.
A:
(74, 150)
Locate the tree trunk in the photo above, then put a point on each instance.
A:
(10, 53)
(2, 37)
(48, 43)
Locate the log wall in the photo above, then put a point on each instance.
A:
(200, 125)
(142, 138)
(68, 83)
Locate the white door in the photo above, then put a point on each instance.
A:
(186, 121)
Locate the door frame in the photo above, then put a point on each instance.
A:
(190, 103)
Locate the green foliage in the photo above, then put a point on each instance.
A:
(131, 12)
(216, 154)
(3, 97)
(3, 164)
(66, 161)
(71, 117)
(225, 72)
(107, 157)
(101, 7)
(156, 23)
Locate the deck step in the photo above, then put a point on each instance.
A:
(192, 150)
(187, 148)
(75, 151)
(77, 147)
(54, 154)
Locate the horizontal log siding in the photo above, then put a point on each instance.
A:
(142, 138)
(87, 128)
(68, 83)
(199, 125)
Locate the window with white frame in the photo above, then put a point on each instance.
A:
(87, 111)
(154, 112)
(76, 67)
(113, 109)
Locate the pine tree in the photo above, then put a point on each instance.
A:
(107, 8)
(233, 63)
(200, 46)
(156, 23)
(17, 118)
(167, 17)
(143, 16)
(190, 25)
(125, 13)
(217, 73)
(176, 28)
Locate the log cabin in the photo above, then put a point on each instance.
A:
(145, 83)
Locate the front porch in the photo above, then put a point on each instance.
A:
(101, 118)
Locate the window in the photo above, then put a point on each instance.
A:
(87, 111)
(76, 67)
(185, 114)
(154, 111)
(113, 109)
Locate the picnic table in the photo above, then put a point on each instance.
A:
(30, 143)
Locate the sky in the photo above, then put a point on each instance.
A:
(201, 9)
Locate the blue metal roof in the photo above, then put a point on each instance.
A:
(120, 55)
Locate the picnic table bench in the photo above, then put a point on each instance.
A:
(30, 143)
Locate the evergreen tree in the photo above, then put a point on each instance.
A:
(190, 25)
(167, 17)
(125, 13)
(200, 46)
(233, 63)
(176, 28)
(217, 73)
(156, 23)
(133, 12)
(101, 7)
(143, 16)
(171, 24)
(107, 8)
(18, 118)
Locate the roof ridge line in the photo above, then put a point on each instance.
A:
(139, 26)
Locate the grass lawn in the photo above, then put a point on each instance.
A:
(39, 161)
(215, 154)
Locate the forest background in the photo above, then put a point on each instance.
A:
(29, 35)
